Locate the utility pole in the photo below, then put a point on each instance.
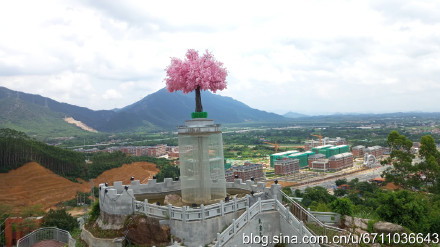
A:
(92, 190)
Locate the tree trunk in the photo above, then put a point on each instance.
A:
(199, 107)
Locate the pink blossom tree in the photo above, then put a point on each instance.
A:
(196, 73)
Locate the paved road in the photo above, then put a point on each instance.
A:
(363, 176)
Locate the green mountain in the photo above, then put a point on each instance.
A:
(171, 109)
(34, 119)
(94, 119)
(35, 114)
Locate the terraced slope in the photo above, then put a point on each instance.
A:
(139, 170)
(33, 184)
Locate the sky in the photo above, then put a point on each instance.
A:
(311, 57)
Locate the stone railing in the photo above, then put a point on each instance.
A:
(311, 217)
(120, 199)
(189, 214)
(168, 185)
(46, 233)
(253, 211)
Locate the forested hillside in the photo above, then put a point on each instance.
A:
(16, 149)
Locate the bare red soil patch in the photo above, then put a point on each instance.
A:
(33, 184)
(139, 170)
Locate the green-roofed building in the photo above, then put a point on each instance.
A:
(302, 157)
(227, 165)
(343, 148)
(280, 156)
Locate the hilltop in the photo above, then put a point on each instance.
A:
(42, 116)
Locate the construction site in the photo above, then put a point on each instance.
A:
(321, 159)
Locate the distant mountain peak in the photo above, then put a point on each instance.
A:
(159, 110)
(294, 115)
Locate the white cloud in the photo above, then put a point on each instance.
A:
(111, 94)
(305, 56)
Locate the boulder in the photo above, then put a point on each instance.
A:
(361, 223)
(350, 222)
(148, 231)
(387, 227)
(173, 199)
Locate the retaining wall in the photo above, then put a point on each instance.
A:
(327, 217)
(99, 242)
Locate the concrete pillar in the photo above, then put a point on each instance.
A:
(235, 204)
(146, 209)
(275, 190)
(259, 204)
(222, 208)
(170, 211)
(184, 213)
(202, 207)
(218, 239)
(233, 226)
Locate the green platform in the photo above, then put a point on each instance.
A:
(202, 114)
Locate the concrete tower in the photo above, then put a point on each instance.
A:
(202, 172)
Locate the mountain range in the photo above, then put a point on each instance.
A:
(36, 114)
(294, 115)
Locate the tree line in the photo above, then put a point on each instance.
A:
(17, 149)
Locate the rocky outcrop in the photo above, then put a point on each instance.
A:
(110, 222)
(387, 227)
(144, 230)
(173, 199)
(357, 224)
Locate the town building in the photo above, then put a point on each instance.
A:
(358, 151)
(314, 158)
(319, 165)
(340, 161)
(287, 166)
(173, 154)
(330, 150)
(308, 145)
(248, 171)
(280, 156)
(302, 157)
(229, 175)
(377, 151)
(157, 151)
(17, 227)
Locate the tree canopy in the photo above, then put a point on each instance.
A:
(60, 219)
(195, 72)
(402, 170)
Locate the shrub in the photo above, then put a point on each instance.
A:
(60, 219)
(94, 213)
